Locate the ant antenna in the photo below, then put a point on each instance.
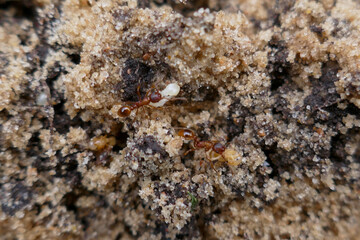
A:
(176, 99)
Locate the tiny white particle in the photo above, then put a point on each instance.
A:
(41, 99)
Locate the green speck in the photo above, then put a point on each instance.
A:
(194, 201)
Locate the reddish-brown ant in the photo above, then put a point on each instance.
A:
(102, 146)
(211, 147)
(153, 97)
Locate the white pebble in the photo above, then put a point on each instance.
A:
(41, 99)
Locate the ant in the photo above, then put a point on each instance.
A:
(211, 147)
(153, 97)
(102, 146)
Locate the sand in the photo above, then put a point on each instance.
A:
(277, 82)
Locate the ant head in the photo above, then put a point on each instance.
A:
(187, 134)
(155, 96)
(124, 111)
(219, 148)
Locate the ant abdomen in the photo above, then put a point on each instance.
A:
(187, 134)
(124, 111)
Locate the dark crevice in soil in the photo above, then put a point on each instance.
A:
(24, 9)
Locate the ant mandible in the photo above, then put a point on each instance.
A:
(153, 97)
(210, 147)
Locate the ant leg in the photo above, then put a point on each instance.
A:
(176, 99)
(133, 120)
(201, 163)
(188, 151)
(138, 92)
(148, 92)
(211, 163)
(136, 112)
(231, 170)
(212, 166)
(148, 113)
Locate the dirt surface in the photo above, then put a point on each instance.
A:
(277, 82)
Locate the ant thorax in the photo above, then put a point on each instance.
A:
(207, 145)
